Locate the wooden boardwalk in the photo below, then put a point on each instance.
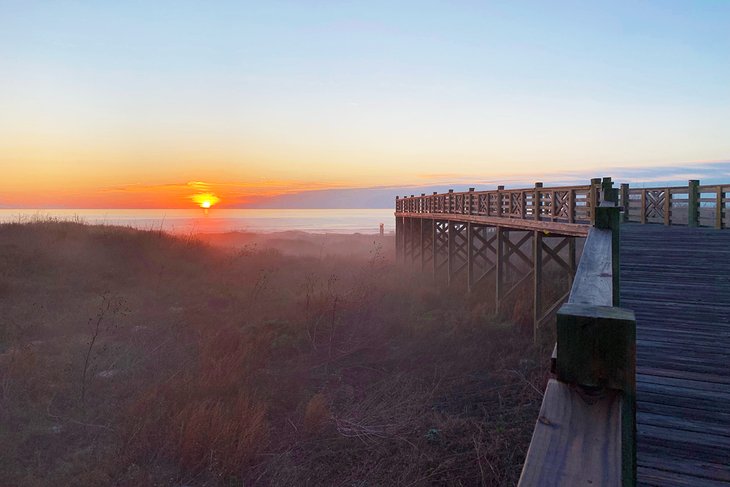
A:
(677, 281)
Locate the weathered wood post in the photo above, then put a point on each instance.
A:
(595, 197)
(451, 263)
(537, 282)
(719, 207)
(469, 256)
(608, 193)
(625, 201)
(398, 232)
(499, 274)
(422, 253)
(642, 217)
(597, 351)
(415, 239)
(471, 201)
(450, 202)
(536, 203)
(434, 248)
(499, 200)
(693, 203)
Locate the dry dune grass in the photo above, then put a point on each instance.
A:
(137, 358)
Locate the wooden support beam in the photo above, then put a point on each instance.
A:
(423, 244)
(434, 248)
(667, 207)
(451, 265)
(537, 283)
(470, 256)
(536, 204)
(499, 275)
(572, 259)
(398, 238)
(414, 240)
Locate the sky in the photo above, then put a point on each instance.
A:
(148, 104)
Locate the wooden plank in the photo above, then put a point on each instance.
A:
(656, 477)
(575, 442)
(685, 424)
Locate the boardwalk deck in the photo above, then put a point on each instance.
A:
(677, 280)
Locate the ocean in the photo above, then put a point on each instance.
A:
(220, 220)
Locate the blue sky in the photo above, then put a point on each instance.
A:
(291, 95)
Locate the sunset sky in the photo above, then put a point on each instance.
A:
(146, 104)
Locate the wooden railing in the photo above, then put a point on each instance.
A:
(694, 205)
(585, 433)
(586, 430)
(570, 204)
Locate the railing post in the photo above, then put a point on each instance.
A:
(719, 207)
(642, 217)
(594, 197)
(625, 201)
(499, 200)
(536, 201)
(398, 237)
(608, 193)
(450, 202)
(693, 203)
(471, 201)
(597, 349)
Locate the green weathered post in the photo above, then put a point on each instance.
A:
(693, 203)
(597, 350)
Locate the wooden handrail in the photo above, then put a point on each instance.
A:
(586, 430)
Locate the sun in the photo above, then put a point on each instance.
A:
(205, 200)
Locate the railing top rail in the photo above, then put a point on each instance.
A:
(586, 187)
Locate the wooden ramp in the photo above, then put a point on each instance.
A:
(677, 281)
